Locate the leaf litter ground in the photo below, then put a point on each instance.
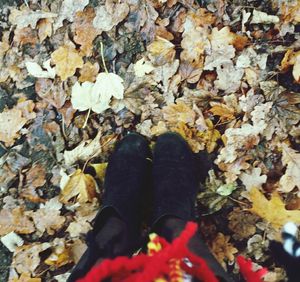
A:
(76, 76)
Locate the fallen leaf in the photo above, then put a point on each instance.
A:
(36, 176)
(96, 96)
(80, 186)
(262, 17)
(179, 112)
(89, 72)
(27, 17)
(78, 227)
(11, 241)
(35, 70)
(53, 92)
(25, 35)
(291, 177)
(44, 28)
(66, 60)
(100, 170)
(273, 210)
(83, 22)
(26, 277)
(253, 179)
(11, 121)
(161, 51)
(142, 67)
(48, 220)
(108, 17)
(222, 249)
(77, 250)
(68, 10)
(242, 225)
(15, 221)
(27, 258)
(60, 255)
(257, 246)
(84, 151)
(226, 113)
(210, 136)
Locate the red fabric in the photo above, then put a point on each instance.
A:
(147, 268)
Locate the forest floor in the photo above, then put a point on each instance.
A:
(77, 75)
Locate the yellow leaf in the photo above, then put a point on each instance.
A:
(67, 60)
(100, 170)
(161, 51)
(61, 254)
(25, 277)
(210, 136)
(80, 186)
(222, 110)
(272, 211)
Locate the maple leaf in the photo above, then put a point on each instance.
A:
(161, 51)
(179, 112)
(96, 96)
(89, 72)
(83, 21)
(80, 186)
(291, 177)
(66, 60)
(273, 210)
(44, 28)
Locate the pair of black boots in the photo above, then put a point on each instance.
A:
(133, 176)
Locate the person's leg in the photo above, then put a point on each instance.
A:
(175, 186)
(116, 227)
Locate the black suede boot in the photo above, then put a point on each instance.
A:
(116, 227)
(175, 186)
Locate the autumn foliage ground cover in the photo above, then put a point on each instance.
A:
(76, 75)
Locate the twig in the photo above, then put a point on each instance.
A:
(86, 119)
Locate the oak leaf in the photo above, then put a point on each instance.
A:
(273, 210)
(80, 186)
(223, 249)
(253, 179)
(66, 60)
(291, 177)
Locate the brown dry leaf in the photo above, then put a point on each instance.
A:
(291, 177)
(26, 277)
(161, 51)
(27, 258)
(36, 176)
(79, 226)
(11, 121)
(44, 29)
(292, 58)
(210, 136)
(84, 151)
(77, 250)
(273, 210)
(66, 60)
(25, 35)
(15, 220)
(51, 91)
(222, 249)
(67, 112)
(89, 72)
(242, 224)
(48, 220)
(85, 33)
(179, 112)
(223, 111)
(80, 186)
(60, 255)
